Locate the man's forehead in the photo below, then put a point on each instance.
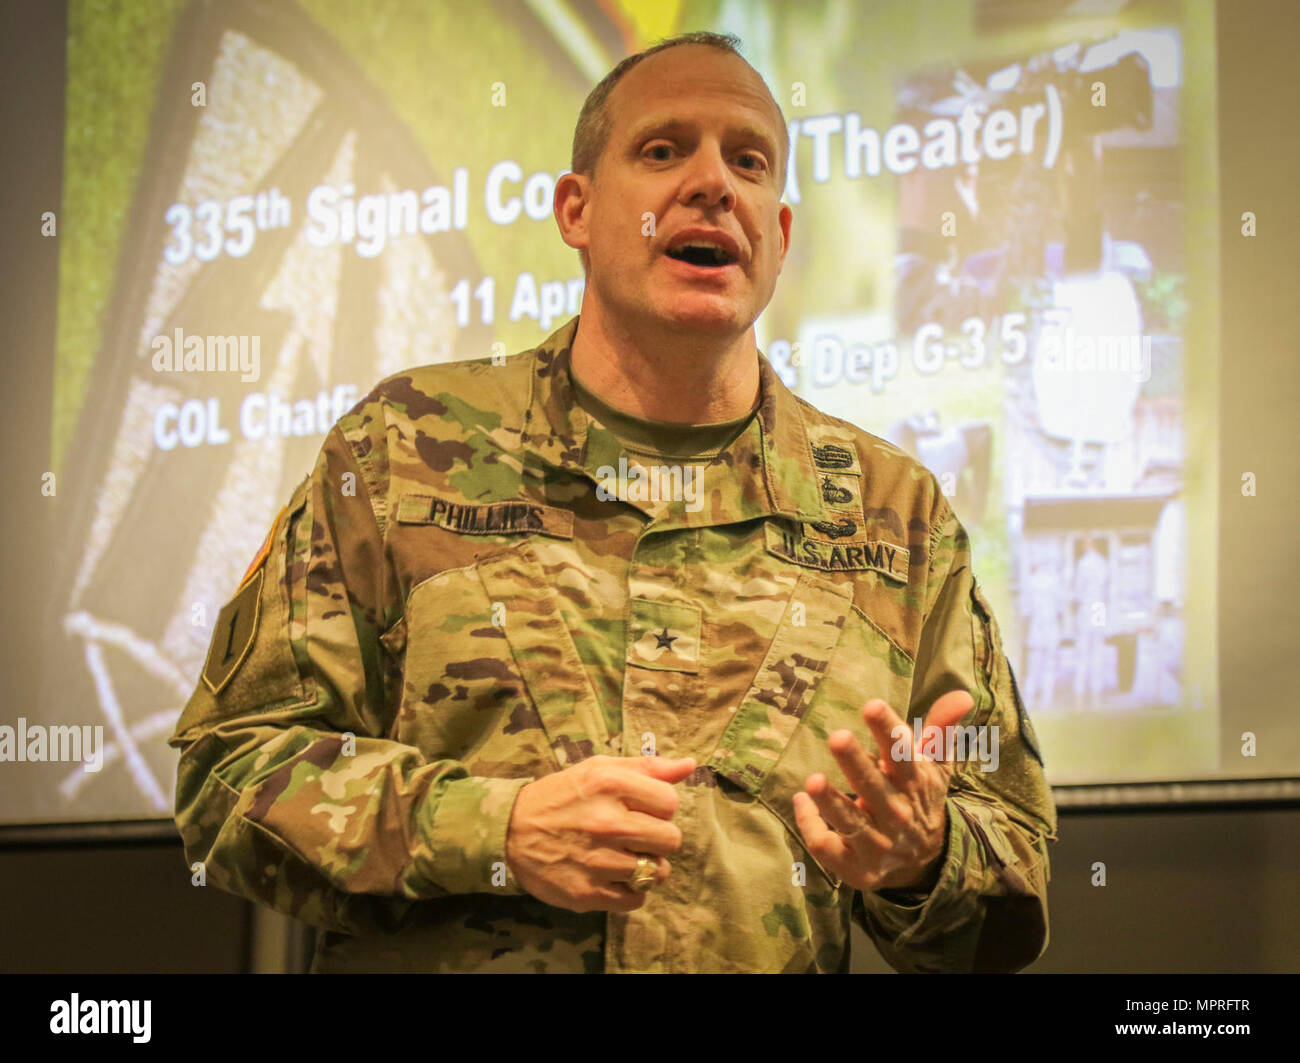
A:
(656, 89)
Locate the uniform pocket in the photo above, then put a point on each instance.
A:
(866, 664)
(777, 797)
(463, 697)
(492, 675)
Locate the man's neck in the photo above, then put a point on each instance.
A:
(663, 374)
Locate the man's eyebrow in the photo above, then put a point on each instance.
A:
(745, 131)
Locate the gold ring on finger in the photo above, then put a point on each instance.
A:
(643, 878)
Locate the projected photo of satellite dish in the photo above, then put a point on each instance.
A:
(1088, 372)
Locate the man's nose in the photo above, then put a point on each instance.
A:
(707, 175)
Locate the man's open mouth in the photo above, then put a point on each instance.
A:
(702, 255)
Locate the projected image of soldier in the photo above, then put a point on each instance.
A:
(1091, 581)
(1044, 635)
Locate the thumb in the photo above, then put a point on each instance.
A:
(946, 712)
(669, 769)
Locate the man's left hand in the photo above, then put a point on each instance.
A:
(892, 836)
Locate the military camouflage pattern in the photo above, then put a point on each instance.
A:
(449, 611)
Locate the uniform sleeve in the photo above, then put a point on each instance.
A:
(289, 790)
(988, 910)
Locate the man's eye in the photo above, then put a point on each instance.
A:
(758, 161)
(661, 148)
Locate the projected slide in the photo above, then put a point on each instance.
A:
(995, 258)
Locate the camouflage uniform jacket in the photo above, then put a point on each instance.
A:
(447, 609)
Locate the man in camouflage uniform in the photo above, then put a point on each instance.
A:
(519, 638)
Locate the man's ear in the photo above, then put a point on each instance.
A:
(784, 217)
(572, 197)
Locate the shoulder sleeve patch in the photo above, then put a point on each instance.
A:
(236, 625)
(265, 550)
(988, 656)
(1026, 728)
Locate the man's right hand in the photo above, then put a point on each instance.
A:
(575, 835)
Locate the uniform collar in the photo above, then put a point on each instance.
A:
(558, 433)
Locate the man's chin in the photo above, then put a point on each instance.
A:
(707, 316)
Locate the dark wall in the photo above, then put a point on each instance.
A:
(1185, 892)
(1208, 891)
(115, 909)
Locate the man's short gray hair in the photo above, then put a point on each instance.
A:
(591, 134)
